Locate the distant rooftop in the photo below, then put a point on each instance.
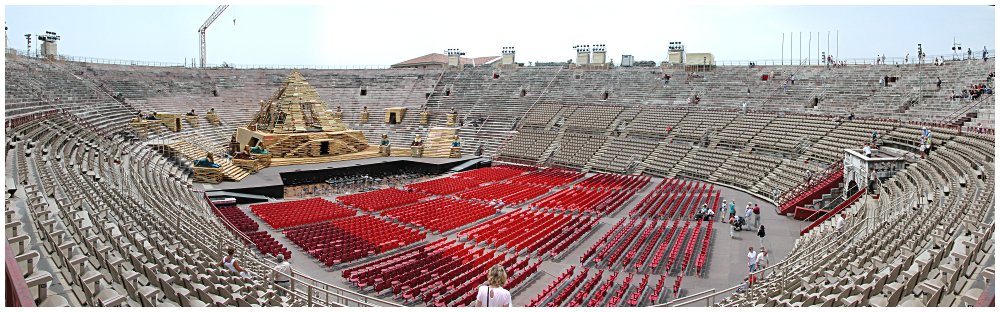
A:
(440, 60)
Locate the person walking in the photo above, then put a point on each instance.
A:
(752, 260)
(762, 261)
(282, 275)
(838, 224)
(760, 233)
(492, 294)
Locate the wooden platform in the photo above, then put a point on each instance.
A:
(370, 152)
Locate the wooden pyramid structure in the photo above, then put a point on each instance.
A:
(295, 108)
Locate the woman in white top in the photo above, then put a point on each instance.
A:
(231, 263)
(493, 294)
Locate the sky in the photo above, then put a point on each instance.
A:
(381, 33)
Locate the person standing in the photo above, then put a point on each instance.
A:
(748, 213)
(723, 210)
(756, 215)
(732, 210)
(282, 275)
(492, 294)
(752, 260)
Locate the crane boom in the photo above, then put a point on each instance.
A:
(204, 27)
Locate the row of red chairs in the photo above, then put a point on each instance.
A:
(443, 272)
(550, 177)
(596, 201)
(561, 296)
(532, 231)
(593, 248)
(616, 298)
(703, 256)
(814, 192)
(654, 298)
(689, 248)
(470, 288)
(441, 214)
(264, 242)
(294, 213)
(509, 194)
(238, 219)
(524, 168)
(547, 291)
(444, 186)
(611, 181)
(598, 297)
(492, 174)
(268, 245)
(654, 263)
(345, 240)
(635, 242)
(676, 199)
(633, 300)
(586, 290)
(381, 199)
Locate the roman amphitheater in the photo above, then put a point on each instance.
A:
(127, 183)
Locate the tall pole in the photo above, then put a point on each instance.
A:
(838, 42)
(809, 49)
(782, 48)
(828, 43)
(800, 48)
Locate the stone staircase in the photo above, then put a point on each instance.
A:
(438, 142)
(230, 172)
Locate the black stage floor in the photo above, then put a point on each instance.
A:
(273, 177)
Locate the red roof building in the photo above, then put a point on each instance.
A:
(438, 60)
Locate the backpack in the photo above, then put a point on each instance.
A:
(756, 210)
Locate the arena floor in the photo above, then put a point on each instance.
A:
(727, 264)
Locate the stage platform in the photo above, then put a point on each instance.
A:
(270, 180)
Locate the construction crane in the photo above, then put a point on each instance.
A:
(204, 27)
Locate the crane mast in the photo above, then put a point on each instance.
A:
(204, 27)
